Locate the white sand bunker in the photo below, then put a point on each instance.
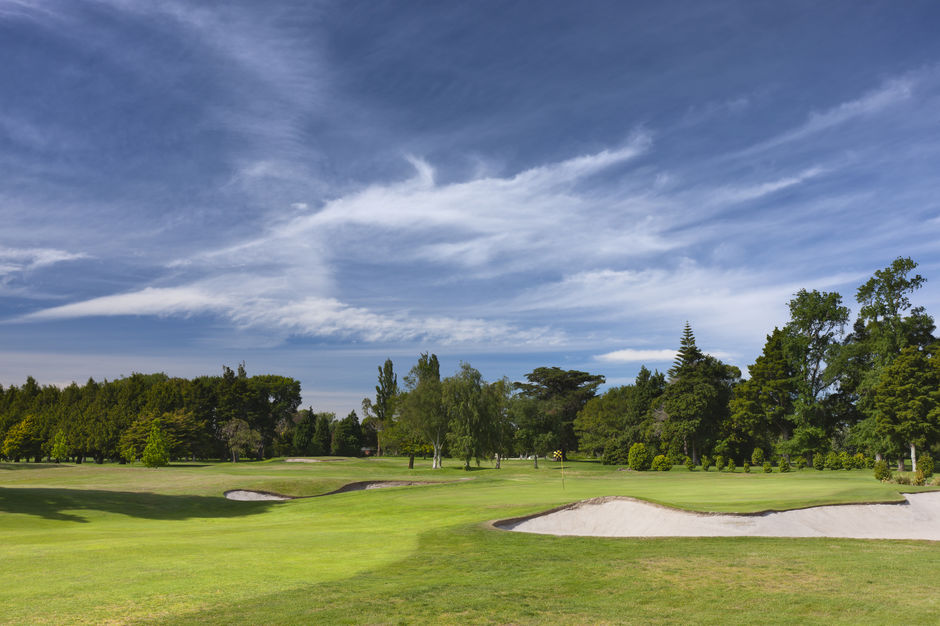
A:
(246, 495)
(917, 518)
(305, 460)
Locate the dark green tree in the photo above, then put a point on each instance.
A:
(347, 436)
(381, 412)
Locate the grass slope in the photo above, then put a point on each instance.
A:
(118, 543)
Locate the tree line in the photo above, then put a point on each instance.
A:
(819, 386)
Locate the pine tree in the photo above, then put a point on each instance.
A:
(156, 452)
(688, 353)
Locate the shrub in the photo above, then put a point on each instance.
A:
(757, 457)
(661, 463)
(869, 462)
(784, 465)
(833, 462)
(730, 466)
(639, 457)
(800, 462)
(747, 467)
(616, 452)
(903, 479)
(882, 471)
(689, 465)
(859, 461)
(719, 462)
(819, 462)
(919, 478)
(925, 462)
(706, 462)
(768, 468)
(845, 460)
(674, 458)
(156, 452)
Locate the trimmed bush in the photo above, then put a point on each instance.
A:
(819, 461)
(689, 465)
(859, 461)
(783, 465)
(833, 462)
(768, 468)
(919, 478)
(800, 462)
(845, 460)
(661, 463)
(730, 466)
(706, 462)
(747, 467)
(639, 457)
(882, 471)
(757, 457)
(925, 462)
(719, 462)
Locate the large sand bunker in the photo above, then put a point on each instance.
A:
(917, 518)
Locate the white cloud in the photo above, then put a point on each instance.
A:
(15, 260)
(630, 355)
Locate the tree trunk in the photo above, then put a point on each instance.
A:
(536, 457)
(913, 458)
(695, 459)
(411, 461)
(878, 456)
(436, 463)
(900, 463)
(497, 460)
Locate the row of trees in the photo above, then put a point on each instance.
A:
(205, 417)
(814, 389)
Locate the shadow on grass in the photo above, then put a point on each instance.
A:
(30, 466)
(62, 504)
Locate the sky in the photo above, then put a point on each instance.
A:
(311, 188)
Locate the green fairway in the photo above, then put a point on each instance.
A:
(123, 543)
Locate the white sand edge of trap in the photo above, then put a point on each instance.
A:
(916, 518)
(247, 495)
(250, 495)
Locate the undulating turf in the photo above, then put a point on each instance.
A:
(124, 543)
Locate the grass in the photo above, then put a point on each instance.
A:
(125, 544)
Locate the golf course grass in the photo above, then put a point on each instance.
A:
(112, 543)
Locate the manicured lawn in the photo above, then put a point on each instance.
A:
(97, 543)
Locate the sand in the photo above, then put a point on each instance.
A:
(246, 495)
(917, 518)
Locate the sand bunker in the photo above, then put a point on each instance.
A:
(303, 460)
(917, 518)
(248, 495)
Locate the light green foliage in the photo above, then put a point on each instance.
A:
(747, 467)
(846, 461)
(719, 462)
(472, 413)
(240, 438)
(422, 414)
(925, 462)
(757, 457)
(730, 467)
(639, 457)
(833, 462)
(819, 461)
(156, 452)
(706, 462)
(783, 465)
(882, 471)
(22, 440)
(689, 465)
(800, 462)
(768, 468)
(919, 479)
(661, 463)
(60, 448)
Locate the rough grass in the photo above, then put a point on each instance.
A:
(123, 544)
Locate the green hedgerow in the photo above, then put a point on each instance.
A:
(859, 461)
(757, 457)
(819, 461)
(882, 471)
(768, 468)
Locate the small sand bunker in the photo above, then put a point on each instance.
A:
(246, 495)
(303, 460)
(917, 518)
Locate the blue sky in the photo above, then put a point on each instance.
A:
(313, 187)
